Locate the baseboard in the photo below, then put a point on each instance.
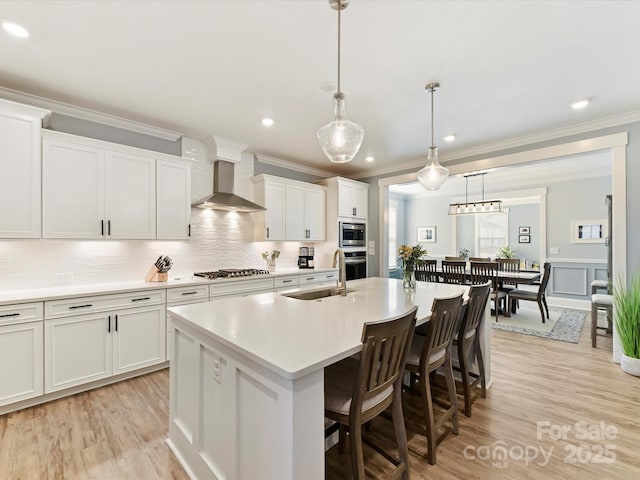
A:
(574, 303)
(183, 464)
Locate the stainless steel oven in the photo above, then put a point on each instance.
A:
(356, 264)
(353, 234)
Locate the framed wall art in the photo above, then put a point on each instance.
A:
(427, 234)
(524, 230)
(524, 238)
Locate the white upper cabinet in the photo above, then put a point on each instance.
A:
(94, 189)
(295, 210)
(346, 198)
(270, 193)
(73, 190)
(130, 196)
(20, 176)
(173, 185)
(352, 200)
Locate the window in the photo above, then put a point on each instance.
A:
(492, 233)
(393, 233)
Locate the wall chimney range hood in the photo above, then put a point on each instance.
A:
(228, 152)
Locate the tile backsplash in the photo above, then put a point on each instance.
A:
(219, 240)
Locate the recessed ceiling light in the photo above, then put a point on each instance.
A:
(15, 29)
(580, 104)
(450, 138)
(369, 159)
(267, 122)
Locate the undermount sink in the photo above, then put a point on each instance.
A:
(316, 294)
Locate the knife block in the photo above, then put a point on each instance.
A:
(153, 275)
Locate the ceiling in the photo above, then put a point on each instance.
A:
(507, 69)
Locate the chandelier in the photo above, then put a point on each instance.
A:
(471, 208)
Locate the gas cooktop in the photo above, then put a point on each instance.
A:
(232, 272)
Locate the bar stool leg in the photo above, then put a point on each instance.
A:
(594, 323)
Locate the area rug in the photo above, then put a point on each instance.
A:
(564, 324)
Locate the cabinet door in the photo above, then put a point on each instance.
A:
(294, 213)
(20, 178)
(173, 200)
(274, 194)
(345, 203)
(139, 338)
(315, 215)
(78, 350)
(360, 200)
(21, 360)
(73, 190)
(130, 196)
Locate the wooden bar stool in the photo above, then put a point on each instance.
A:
(426, 355)
(600, 301)
(358, 390)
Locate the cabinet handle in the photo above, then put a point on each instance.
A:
(140, 299)
(189, 293)
(116, 323)
(73, 307)
(109, 325)
(102, 227)
(10, 315)
(267, 232)
(287, 281)
(189, 231)
(310, 278)
(354, 211)
(109, 227)
(331, 276)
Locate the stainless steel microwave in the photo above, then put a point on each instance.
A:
(353, 234)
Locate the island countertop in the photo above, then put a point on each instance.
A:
(294, 337)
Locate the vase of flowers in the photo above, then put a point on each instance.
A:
(410, 257)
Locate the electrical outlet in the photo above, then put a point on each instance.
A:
(554, 250)
(66, 277)
(217, 371)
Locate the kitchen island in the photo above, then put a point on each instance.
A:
(247, 378)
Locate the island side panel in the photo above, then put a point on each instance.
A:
(233, 419)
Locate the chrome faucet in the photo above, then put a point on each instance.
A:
(340, 262)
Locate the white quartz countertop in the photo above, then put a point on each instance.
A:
(71, 291)
(295, 337)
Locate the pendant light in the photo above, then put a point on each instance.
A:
(340, 140)
(433, 175)
(483, 206)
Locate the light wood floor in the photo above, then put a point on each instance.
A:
(118, 432)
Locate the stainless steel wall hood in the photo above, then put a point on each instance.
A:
(223, 197)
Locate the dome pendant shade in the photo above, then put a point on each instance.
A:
(433, 175)
(341, 139)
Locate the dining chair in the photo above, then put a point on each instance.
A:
(511, 265)
(429, 352)
(483, 272)
(356, 390)
(539, 297)
(454, 271)
(427, 271)
(468, 338)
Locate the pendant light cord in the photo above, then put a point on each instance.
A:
(432, 143)
(339, 9)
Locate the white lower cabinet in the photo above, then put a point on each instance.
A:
(320, 278)
(85, 347)
(21, 359)
(78, 350)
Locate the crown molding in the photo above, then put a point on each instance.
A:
(89, 115)
(490, 148)
(278, 162)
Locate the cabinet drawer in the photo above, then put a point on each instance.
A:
(102, 303)
(290, 281)
(320, 277)
(241, 286)
(21, 313)
(188, 294)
